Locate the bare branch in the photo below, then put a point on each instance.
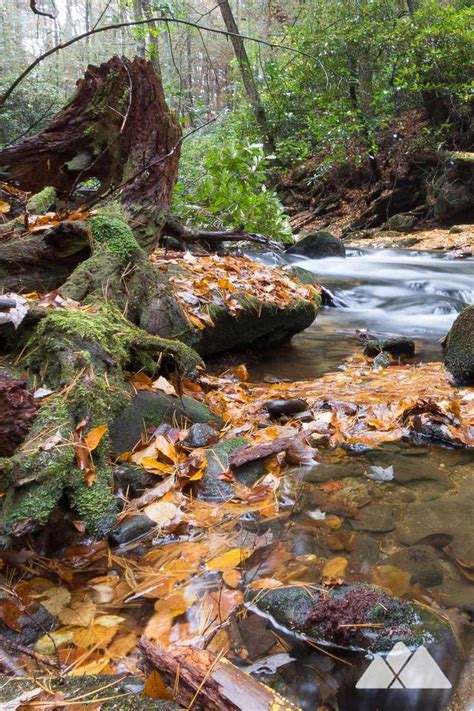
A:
(40, 12)
(135, 23)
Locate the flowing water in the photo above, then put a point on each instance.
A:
(417, 295)
(408, 293)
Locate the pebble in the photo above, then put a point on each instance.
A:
(200, 435)
(130, 529)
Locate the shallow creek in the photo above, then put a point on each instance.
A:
(405, 522)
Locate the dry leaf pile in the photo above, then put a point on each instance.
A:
(461, 241)
(220, 281)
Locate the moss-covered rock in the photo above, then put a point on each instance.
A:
(150, 409)
(41, 202)
(355, 617)
(459, 358)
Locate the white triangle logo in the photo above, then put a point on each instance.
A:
(403, 670)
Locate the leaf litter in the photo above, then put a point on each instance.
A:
(190, 582)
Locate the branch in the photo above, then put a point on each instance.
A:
(40, 12)
(174, 228)
(135, 23)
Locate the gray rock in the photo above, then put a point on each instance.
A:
(459, 357)
(401, 223)
(32, 626)
(376, 518)
(450, 515)
(130, 529)
(149, 409)
(366, 549)
(211, 486)
(317, 245)
(421, 562)
(200, 435)
(277, 408)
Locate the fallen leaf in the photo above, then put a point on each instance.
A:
(55, 599)
(392, 578)
(161, 512)
(93, 438)
(229, 560)
(381, 474)
(269, 665)
(155, 687)
(80, 613)
(164, 385)
(51, 642)
(335, 568)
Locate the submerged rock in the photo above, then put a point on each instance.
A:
(329, 617)
(317, 245)
(200, 435)
(459, 358)
(150, 409)
(421, 562)
(375, 518)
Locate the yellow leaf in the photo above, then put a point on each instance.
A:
(109, 620)
(242, 373)
(266, 584)
(231, 578)
(166, 449)
(161, 513)
(56, 599)
(122, 645)
(229, 560)
(95, 636)
(155, 687)
(164, 385)
(153, 465)
(79, 613)
(92, 439)
(92, 668)
(4, 207)
(196, 322)
(335, 568)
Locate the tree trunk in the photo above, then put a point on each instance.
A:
(248, 78)
(119, 130)
(116, 129)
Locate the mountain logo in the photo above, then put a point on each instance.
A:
(402, 669)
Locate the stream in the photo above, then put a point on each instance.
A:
(417, 295)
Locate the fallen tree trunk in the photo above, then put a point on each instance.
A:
(208, 683)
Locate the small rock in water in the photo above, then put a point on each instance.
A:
(130, 529)
(397, 345)
(421, 562)
(277, 408)
(200, 435)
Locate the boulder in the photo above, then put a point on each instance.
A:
(344, 616)
(401, 223)
(317, 245)
(151, 409)
(459, 356)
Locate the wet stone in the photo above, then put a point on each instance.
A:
(450, 515)
(421, 562)
(212, 487)
(397, 345)
(200, 435)
(277, 408)
(376, 518)
(366, 549)
(130, 529)
(32, 626)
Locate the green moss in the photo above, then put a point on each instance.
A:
(115, 236)
(95, 504)
(459, 347)
(113, 210)
(40, 203)
(30, 506)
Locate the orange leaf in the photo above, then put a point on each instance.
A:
(94, 437)
(155, 687)
(229, 560)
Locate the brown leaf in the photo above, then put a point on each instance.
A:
(155, 687)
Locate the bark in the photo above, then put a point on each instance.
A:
(116, 129)
(207, 683)
(248, 77)
(18, 409)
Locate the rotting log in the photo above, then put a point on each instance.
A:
(208, 683)
(18, 409)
